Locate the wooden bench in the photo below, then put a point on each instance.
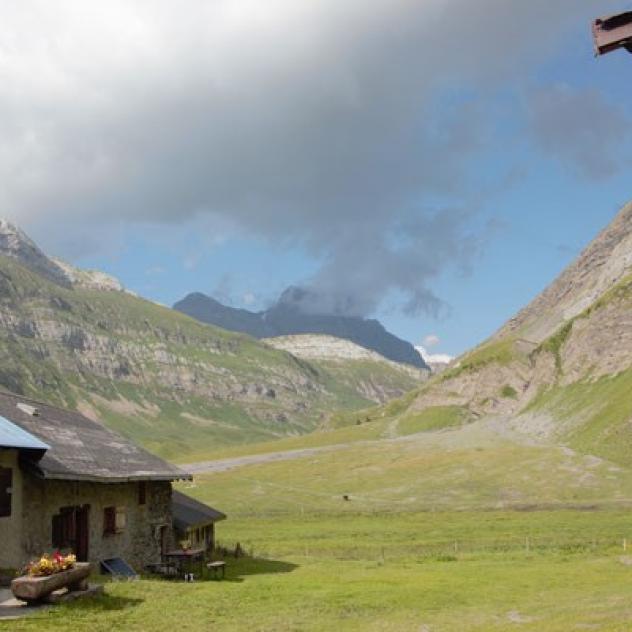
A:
(216, 567)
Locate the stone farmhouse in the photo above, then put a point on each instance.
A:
(67, 482)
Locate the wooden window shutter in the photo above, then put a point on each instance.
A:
(109, 520)
(120, 520)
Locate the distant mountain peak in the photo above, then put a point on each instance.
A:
(436, 361)
(16, 244)
(290, 316)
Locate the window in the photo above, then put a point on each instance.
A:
(114, 520)
(142, 493)
(6, 491)
(109, 521)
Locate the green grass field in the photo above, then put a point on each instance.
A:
(452, 530)
(555, 571)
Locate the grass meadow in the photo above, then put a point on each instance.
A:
(543, 570)
(445, 531)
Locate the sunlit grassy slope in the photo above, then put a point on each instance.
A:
(469, 468)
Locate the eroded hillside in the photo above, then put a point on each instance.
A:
(561, 369)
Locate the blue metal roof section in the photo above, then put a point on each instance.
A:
(12, 436)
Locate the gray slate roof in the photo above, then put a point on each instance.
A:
(188, 512)
(82, 449)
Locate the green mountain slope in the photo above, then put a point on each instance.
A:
(158, 376)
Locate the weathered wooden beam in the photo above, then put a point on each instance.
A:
(613, 32)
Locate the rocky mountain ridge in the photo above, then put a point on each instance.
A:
(562, 367)
(286, 318)
(169, 382)
(16, 244)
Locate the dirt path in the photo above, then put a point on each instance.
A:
(223, 465)
(477, 431)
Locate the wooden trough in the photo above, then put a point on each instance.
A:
(33, 589)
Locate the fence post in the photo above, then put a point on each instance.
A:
(625, 544)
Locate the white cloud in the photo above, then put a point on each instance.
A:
(434, 358)
(431, 340)
(317, 124)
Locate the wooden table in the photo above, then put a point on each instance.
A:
(184, 559)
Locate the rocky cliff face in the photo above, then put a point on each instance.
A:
(606, 261)
(285, 318)
(369, 373)
(562, 368)
(171, 383)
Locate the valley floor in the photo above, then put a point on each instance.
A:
(391, 572)
(469, 529)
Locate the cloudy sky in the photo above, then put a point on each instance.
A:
(433, 163)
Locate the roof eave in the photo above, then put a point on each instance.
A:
(60, 476)
(200, 525)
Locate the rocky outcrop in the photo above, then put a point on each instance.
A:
(89, 279)
(577, 332)
(606, 261)
(375, 377)
(14, 243)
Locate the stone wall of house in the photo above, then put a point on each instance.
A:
(139, 542)
(11, 526)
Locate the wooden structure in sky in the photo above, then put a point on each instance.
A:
(613, 32)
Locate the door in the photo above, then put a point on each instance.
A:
(70, 530)
(82, 535)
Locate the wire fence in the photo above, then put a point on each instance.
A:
(447, 551)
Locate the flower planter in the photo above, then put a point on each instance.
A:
(38, 588)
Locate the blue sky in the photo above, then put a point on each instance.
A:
(236, 149)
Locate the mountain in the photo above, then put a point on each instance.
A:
(78, 339)
(365, 371)
(286, 318)
(561, 369)
(14, 243)
(17, 245)
(436, 361)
